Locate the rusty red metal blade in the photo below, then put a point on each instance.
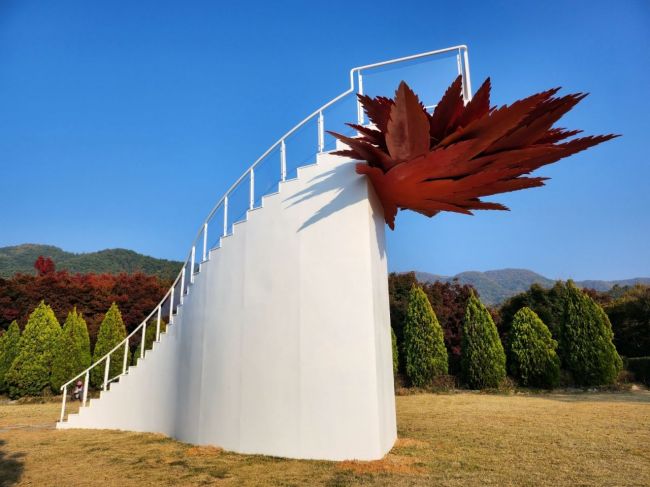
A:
(407, 136)
(449, 160)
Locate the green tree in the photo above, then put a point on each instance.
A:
(8, 351)
(531, 353)
(393, 340)
(111, 333)
(586, 342)
(73, 350)
(150, 337)
(629, 314)
(483, 361)
(31, 370)
(424, 346)
(548, 304)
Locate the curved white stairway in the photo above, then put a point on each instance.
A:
(279, 341)
(282, 345)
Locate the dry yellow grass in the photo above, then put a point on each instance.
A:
(450, 440)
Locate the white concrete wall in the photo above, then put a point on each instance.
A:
(283, 345)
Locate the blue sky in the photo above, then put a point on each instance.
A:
(122, 123)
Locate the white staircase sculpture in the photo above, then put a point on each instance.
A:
(279, 339)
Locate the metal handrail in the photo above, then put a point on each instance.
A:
(463, 70)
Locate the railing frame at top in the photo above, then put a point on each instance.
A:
(462, 60)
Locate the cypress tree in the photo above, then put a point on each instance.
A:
(586, 343)
(111, 332)
(393, 340)
(8, 351)
(31, 370)
(73, 350)
(483, 361)
(532, 359)
(424, 346)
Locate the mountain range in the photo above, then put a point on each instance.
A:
(494, 286)
(21, 258)
(498, 285)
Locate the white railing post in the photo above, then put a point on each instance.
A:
(126, 355)
(225, 216)
(192, 264)
(158, 323)
(360, 92)
(321, 132)
(171, 305)
(143, 342)
(467, 81)
(205, 241)
(182, 296)
(283, 160)
(86, 386)
(251, 196)
(106, 370)
(65, 396)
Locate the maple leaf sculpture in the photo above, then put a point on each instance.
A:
(448, 160)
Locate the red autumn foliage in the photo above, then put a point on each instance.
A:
(44, 265)
(448, 160)
(135, 294)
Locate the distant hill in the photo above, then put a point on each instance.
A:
(497, 286)
(21, 258)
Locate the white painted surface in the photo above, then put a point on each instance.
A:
(283, 345)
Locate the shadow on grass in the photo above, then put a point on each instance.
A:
(620, 397)
(11, 467)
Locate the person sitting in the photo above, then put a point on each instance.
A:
(77, 393)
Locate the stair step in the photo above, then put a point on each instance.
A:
(267, 199)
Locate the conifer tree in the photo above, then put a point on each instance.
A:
(8, 351)
(483, 361)
(424, 346)
(31, 370)
(111, 333)
(73, 350)
(532, 360)
(586, 342)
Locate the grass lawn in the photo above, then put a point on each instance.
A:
(447, 439)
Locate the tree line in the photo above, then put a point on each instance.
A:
(44, 356)
(541, 333)
(92, 294)
(541, 338)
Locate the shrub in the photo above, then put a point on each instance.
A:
(424, 346)
(630, 318)
(483, 361)
(8, 351)
(640, 367)
(586, 346)
(73, 350)
(532, 359)
(31, 370)
(111, 332)
(393, 340)
(150, 337)
(448, 300)
(548, 304)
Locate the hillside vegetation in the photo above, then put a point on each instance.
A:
(498, 285)
(21, 258)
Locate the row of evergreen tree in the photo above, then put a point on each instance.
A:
(532, 356)
(45, 356)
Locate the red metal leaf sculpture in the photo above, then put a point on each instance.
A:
(448, 160)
